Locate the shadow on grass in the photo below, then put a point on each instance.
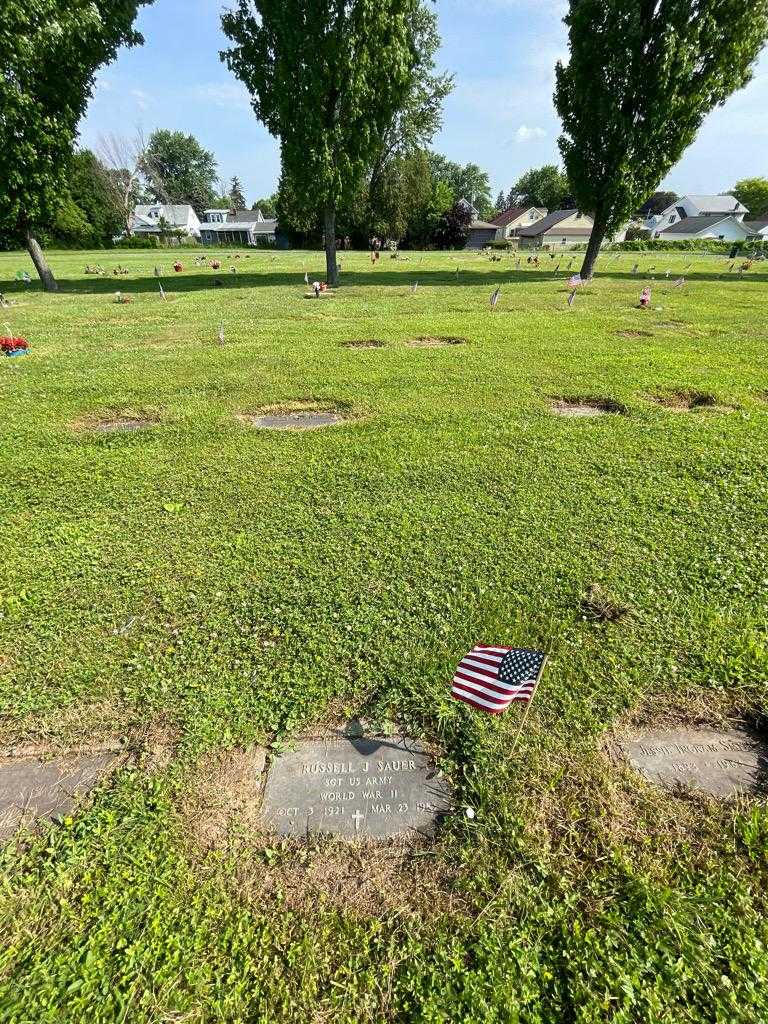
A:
(402, 277)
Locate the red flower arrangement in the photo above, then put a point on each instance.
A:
(215, 265)
(8, 346)
(178, 267)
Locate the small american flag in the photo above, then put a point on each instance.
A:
(414, 287)
(572, 297)
(680, 282)
(162, 293)
(490, 678)
(574, 281)
(495, 298)
(306, 277)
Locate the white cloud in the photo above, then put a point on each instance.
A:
(526, 134)
(229, 95)
(142, 98)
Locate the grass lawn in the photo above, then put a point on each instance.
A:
(199, 587)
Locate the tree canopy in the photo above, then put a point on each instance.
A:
(179, 170)
(326, 77)
(642, 76)
(51, 51)
(753, 193)
(466, 181)
(546, 187)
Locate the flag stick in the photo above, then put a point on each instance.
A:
(527, 710)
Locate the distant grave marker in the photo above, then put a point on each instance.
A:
(299, 420)
(358, 788)
(428, 341)
(123, 423)
(578, 408)
(31, 788)
(723, 762)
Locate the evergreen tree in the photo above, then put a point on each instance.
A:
(501, 203)
(236, 197)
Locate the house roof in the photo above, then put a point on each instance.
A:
(694, 225)
(176, 214)
(246, 216)
(513, 213)
(541, 227)
(717, 204)
(482, 225)
(755, 225)
(266, 227)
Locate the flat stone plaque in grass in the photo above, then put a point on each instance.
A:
(31, 788)
(370, 788)
(723, 762)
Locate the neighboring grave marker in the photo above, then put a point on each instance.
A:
(366, 788)
(723, 762)
(31, 788)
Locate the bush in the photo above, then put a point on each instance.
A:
(138, 242)
(501, 243)
(703, 245)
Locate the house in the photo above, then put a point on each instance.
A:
(558, 230)
(237, 227)
(758, 229)
(695, 206)
(510, 221)
(725, 228)
(157, 218)
(481, 233)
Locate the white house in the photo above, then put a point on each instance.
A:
(695, 206)
(236, 227)
(152, 220)
(724, 228)
(510, 221)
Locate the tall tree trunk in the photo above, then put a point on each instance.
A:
(38, 258)
(593, 246)
(331, 273)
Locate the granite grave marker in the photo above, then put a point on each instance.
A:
(31, 788)
(358, 788)
(723, 762)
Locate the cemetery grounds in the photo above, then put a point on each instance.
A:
(195, 589)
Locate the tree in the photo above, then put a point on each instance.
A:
(753, 193)
(642, 76)
(326, 77)
(90, 188)
(452, 229)
(418, 119)
(501, 203)
(404, 190)
(236, 197)
(123, 159)
(466, 182)
(179, 170)
(51, 52)
(545, 186)
(657, 203)
(268, 206)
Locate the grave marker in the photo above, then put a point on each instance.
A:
(723, 762)
(365, 787)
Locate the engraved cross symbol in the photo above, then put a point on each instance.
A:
(357, 817)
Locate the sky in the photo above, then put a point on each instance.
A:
(500, 115)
